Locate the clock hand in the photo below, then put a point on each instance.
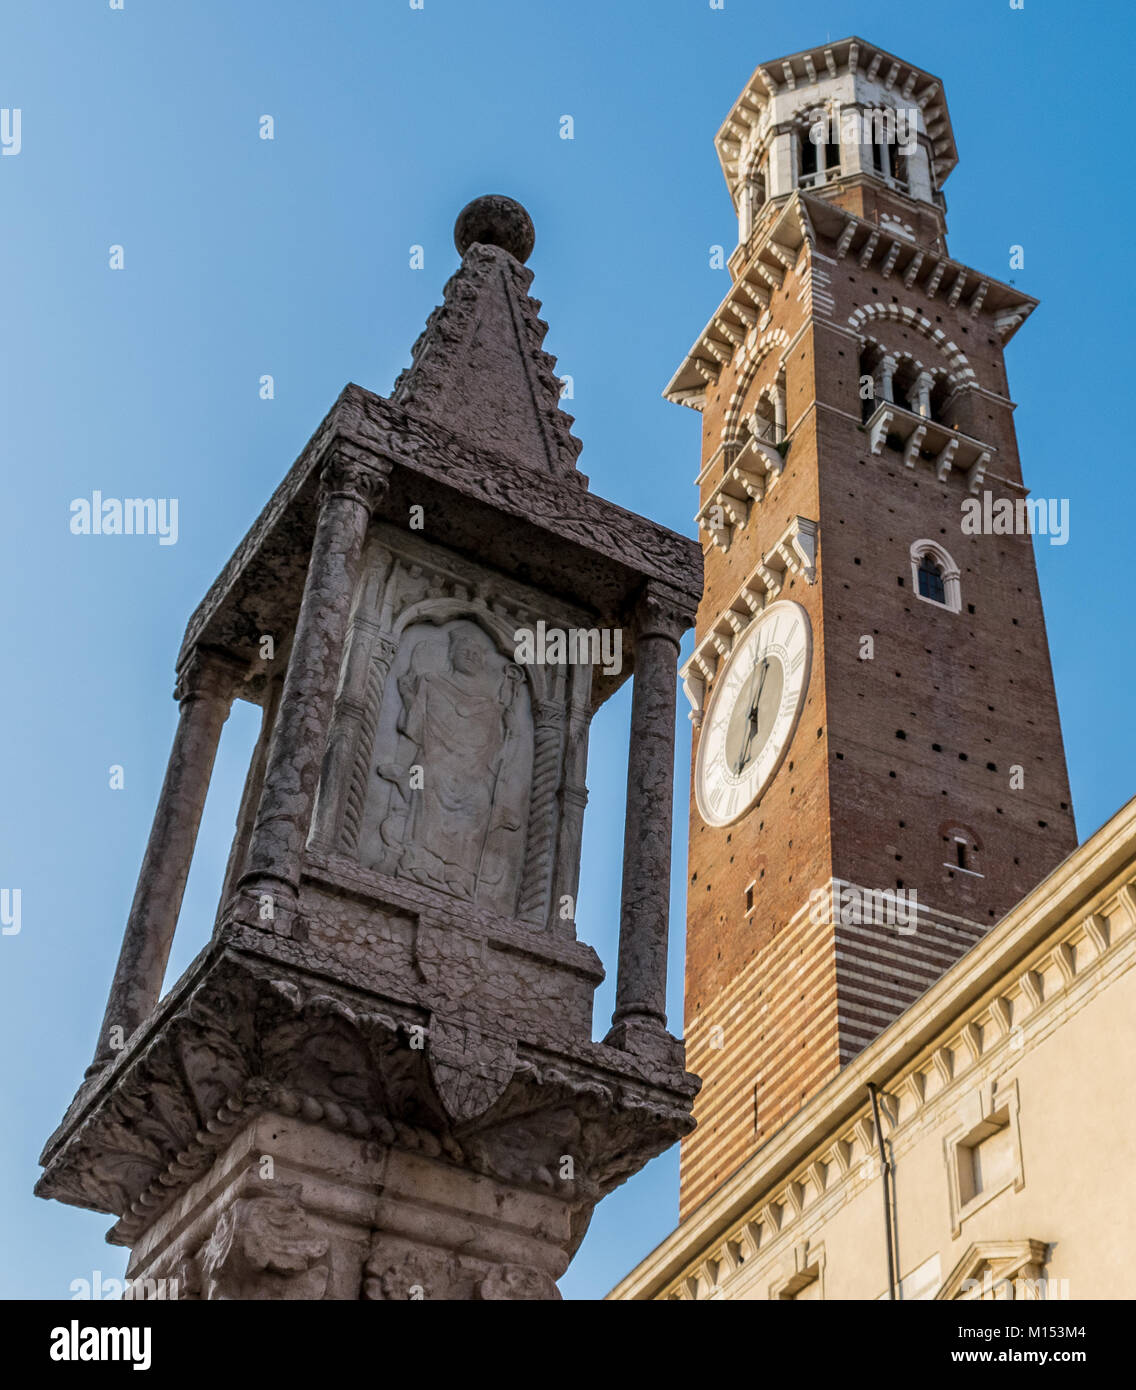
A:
(753, 675)
(753, 715)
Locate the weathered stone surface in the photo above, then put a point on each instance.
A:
(378, 1081)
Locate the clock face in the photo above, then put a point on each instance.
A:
(753, 712)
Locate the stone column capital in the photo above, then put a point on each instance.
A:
(662, 611)
(208, 674)
(355, 474)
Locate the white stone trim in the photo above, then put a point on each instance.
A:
(951, 582)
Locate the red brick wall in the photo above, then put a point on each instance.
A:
(851, 800)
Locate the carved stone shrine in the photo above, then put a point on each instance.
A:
(378, 1080)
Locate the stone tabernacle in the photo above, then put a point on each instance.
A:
(378, 1080)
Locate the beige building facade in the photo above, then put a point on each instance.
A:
(1005, 1111)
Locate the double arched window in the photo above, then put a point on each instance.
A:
(935, 576)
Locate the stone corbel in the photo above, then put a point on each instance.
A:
(880, 430)
(802, 539)
(914, 444)
(945, 459)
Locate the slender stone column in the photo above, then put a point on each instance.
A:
(885, 372)
(779, 420)
(204, 692)
(349, 714)
(352, 484)
(641, 986)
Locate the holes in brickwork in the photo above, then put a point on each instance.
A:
(963, 758)
(937, 747)
(891, 774)
(900, 734)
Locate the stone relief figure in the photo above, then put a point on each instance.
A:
(454, 757)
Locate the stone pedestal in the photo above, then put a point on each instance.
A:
(292, 1210)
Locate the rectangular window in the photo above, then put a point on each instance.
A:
(987, 1160)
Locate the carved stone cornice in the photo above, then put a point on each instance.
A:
(243, 1035)
(591, 551)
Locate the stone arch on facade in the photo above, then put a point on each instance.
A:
(948, 569)
(962, 373)
(751, 356)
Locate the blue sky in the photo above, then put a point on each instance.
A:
(292, 257)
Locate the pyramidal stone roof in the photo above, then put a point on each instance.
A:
(479, 368)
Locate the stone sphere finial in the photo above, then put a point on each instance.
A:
(495, 220)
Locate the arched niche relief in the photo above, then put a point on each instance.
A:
(448, 802)
(456, 768)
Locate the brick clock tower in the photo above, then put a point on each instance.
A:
(876, 730)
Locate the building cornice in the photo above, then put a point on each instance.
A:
(740, 320)
(779, 76)
(1068, 903)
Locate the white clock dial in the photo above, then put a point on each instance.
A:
(753, 711)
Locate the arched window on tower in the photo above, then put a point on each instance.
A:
(870, 380)
(942, 394)
(888, 159)
(768, 419)
(818, 151)
(962, 849)
(931, 580)
(807, 163)
(935, 576)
